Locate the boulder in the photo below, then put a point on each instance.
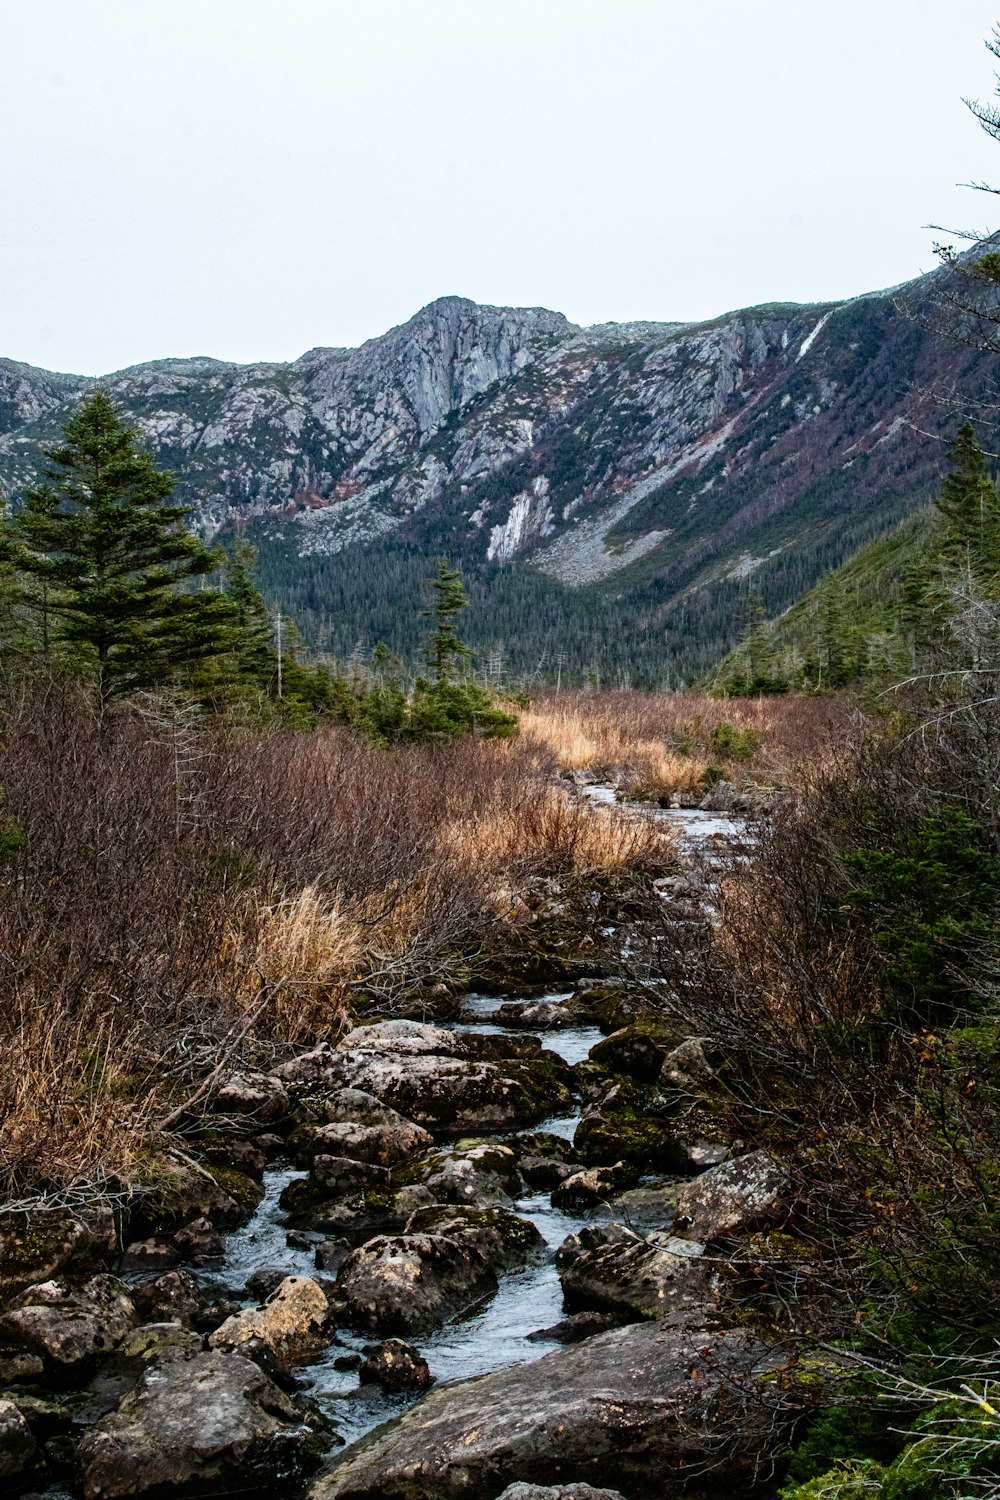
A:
(69, 1327)
(645, 1209)
(200, 1242)
(742, 1193)
(213, 1424)
(149, 1255)
(159, 1341)
(545, 1172)
(381, 1142)
(432, 1079)
(657, 1278)
(631, 1051)
(341, 1175)
(258, 1098)
(39, 1243)
(21, 1462)
(478, 1176)
(686, 1067)
(395, 1366)
(412, 1282)
(178, 1192)
(558, 1492)
(633, 1123)
(638, 1409)
(294, 1322)
(545, 1015)
(594, 1185)
(173, 1297)
(503, 1239)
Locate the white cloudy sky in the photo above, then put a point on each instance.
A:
(249, 178)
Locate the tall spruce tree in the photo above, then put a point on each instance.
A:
(970, 509)
(256, 656)
(445, 647)
(109, 562)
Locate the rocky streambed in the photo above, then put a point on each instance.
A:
(432, 1260)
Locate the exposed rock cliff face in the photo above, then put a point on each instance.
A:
(662, 458)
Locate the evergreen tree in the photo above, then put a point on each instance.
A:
(970, 511)
(106, 558)
(445, 648)
(256, 657)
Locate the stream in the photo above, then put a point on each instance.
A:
(489, 1338)
(529, 1300)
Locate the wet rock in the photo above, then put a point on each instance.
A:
(548, 1015)
(478, 1176)
(413, 1282)
(383, 1143)
(309, 1206)
(348, 1362)
(149, 1255)
(294, 1322)
(631, 1051)
(212, 1424)
(558, 1492)
(500, 1237)
(200, 1242)
(630, 1123)
(645, 1209)
(37, 1244)
(743, 1193)
(496, 1047)
(427, 1075)
(331, 1254)
(591, 1237)
(174, 1297)
(545, 1172)
(232, 1153)
(586, 1189)
(69, 1328)
(341, 1175)
(21, 1461)
(665, 1278)
(395, 1366)
(572, 1330)
(264, 1281)
(638, 1408)
(214, 1312)
(541, 1143)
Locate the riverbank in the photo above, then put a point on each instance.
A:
(366, 1201)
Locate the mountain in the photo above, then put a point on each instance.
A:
(612, 493)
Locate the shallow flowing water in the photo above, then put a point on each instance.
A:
(494, 1335)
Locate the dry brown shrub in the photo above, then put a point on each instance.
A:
(183, 882)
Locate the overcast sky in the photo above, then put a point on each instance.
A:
(249, 178)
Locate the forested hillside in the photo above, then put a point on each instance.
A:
(612, 494)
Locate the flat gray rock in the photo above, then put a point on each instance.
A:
(214, 1424)
(637, 1409)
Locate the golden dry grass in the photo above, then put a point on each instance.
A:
(653, 744)
(589, 737)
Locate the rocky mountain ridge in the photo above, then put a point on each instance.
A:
(662, 467)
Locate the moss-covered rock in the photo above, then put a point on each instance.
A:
(505, 1240)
